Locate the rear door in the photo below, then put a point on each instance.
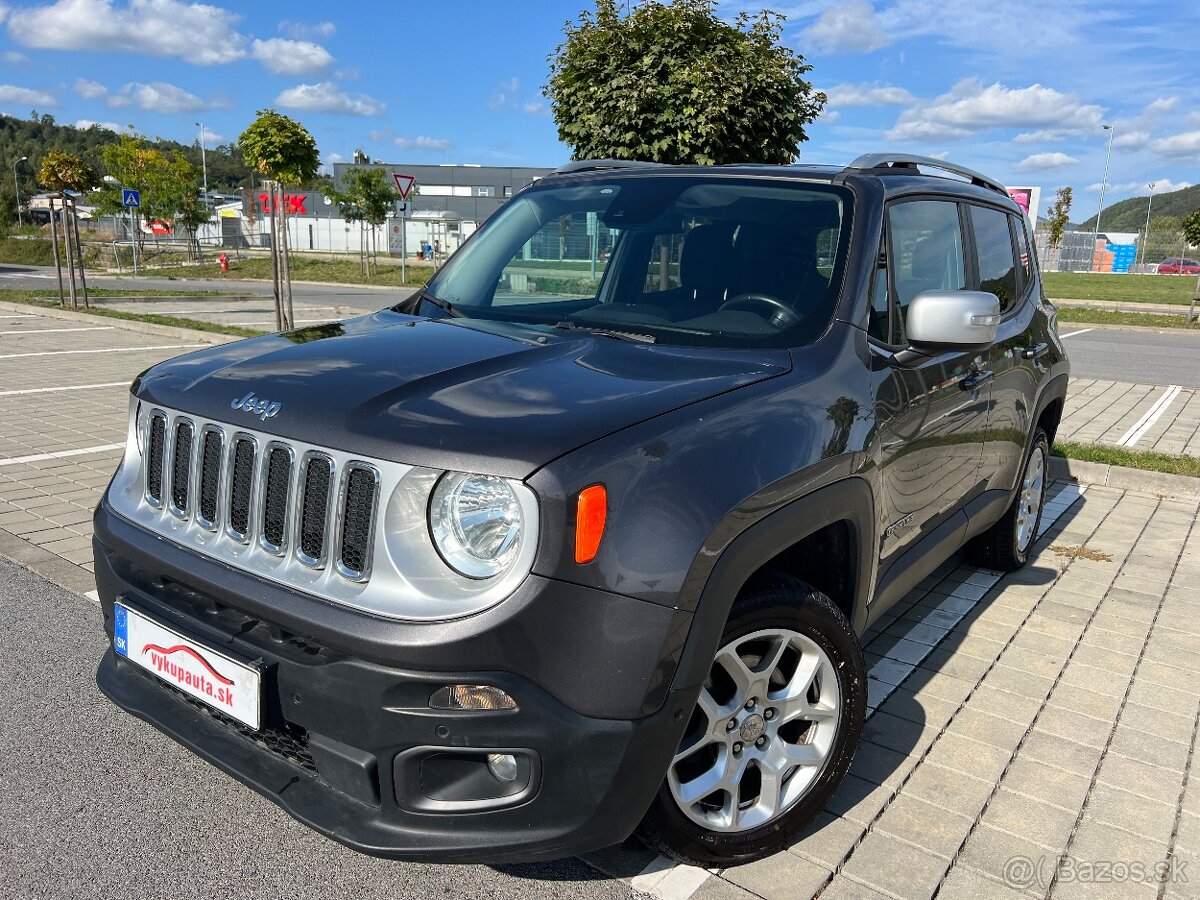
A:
(931, 413)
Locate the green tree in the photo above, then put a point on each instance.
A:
(1166, 224)
(168, 183)
(367, 196)
(1060, 216)
(281, 149)
(1191, 227)
(673, 83)
(62, 171)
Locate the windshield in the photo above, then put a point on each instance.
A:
(709, 261)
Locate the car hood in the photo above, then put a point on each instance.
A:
(450, 394)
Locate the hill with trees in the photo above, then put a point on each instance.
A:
(1130, 214)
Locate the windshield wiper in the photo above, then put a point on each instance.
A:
(444, 305)
(608, 332)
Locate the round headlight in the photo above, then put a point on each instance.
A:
(475, 521)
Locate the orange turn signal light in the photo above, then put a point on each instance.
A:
(590, 513)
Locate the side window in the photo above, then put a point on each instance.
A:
(1025, 259)
(926, 253)
(994, 250)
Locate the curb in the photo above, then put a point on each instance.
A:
(1071, 324)
(67, 575)
(1139, 480)
(338, 284)
(171, 331)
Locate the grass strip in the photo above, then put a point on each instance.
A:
(1146, 460)
(29, 298)
(1107, 317)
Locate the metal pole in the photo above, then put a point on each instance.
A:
(70, 250)
(79, 254)
(62, 298)
(1103, 185)
(133, 235)
(203, 163)
(17, 189)
(1149, 203)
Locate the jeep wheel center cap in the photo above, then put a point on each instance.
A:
(752, 728)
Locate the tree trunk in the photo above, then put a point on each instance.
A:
(62, 300)
(70, 252)
(79, 253)
(275, 268)
(287, 267)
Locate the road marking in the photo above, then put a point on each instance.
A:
(1139, 428)
(58, 454)
(94, 596)
(28, 316)
(74, 387)
(1073, 333)
(104, 350)
(59, 330)
(669, 880)
(890, 672)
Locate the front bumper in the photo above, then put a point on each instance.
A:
(349, 745)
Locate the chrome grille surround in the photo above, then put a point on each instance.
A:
(399, 575)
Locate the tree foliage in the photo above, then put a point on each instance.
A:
(367, 195)
(1191, 227)
(169, 184)
(280, 148)
(1060, 215)
(63, 171)
(671, 82)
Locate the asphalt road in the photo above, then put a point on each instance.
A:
(1142, 357)
(97, 804)
(42, 278)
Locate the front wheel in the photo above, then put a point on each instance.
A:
(774, 730)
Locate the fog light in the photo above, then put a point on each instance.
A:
(503, 766)
(471, 696)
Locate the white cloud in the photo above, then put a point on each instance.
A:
(90, 90)
(1131, 140)
(3, 12)
(1179, 146)
(403, 143)
(969, 108)
(535, 108)
(13, 58)
(502, 96)
(85, 124)
(326, 97)
(210, 137)
(10, 93)
(302, 31)
(843, 95)
(1160, 106)
(1161, 186)
(285, 57)
(428, 143)
(159, 97)
(848, 28)
(328, 161)
(1037, 162)
(195, 32)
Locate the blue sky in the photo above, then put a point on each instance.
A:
(1018, 89)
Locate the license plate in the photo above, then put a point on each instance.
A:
(225, 684)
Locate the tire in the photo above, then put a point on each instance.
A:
(1005, 546)
(775, 629)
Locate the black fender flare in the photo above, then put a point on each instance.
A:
(849, 499)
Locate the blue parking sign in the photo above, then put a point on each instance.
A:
(131, 198)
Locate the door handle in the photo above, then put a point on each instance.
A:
(1035, 351)
(977, 380)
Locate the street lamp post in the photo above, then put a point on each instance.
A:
(203, 163)
(17, 189)
(1103, 185)
(1146, 238)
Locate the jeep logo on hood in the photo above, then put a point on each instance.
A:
(264, 409)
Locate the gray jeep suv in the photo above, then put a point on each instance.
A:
(579, 540)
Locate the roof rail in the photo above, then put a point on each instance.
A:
(902, 161)
(589, 165)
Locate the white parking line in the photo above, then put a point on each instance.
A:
(58, 454)
(1073, 333)
(94, 596)
(26, 316)
(1139, 428)
(53, 390)
(668, 880)
(59, 330)
(104, 350)
(908, 653)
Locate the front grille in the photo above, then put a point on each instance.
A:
(210, 476)
(245, 489)
(155, 452)
(358, 514)
(181, 468)
(275, 505)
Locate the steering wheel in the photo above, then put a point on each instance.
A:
(777, 312)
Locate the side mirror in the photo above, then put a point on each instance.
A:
(940, 321)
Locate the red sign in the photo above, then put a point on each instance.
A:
(293, 204)
(404, 184)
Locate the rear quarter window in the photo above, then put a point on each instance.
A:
(996, 263)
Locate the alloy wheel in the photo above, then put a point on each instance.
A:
(1032, 490)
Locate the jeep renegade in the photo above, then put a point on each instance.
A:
(579, 539)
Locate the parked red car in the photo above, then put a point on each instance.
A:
(1173, 265)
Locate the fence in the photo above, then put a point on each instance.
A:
(1076, 253)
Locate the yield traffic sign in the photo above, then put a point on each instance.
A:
(131, 198)
(404, 184)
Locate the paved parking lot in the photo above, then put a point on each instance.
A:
(1015, 722)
